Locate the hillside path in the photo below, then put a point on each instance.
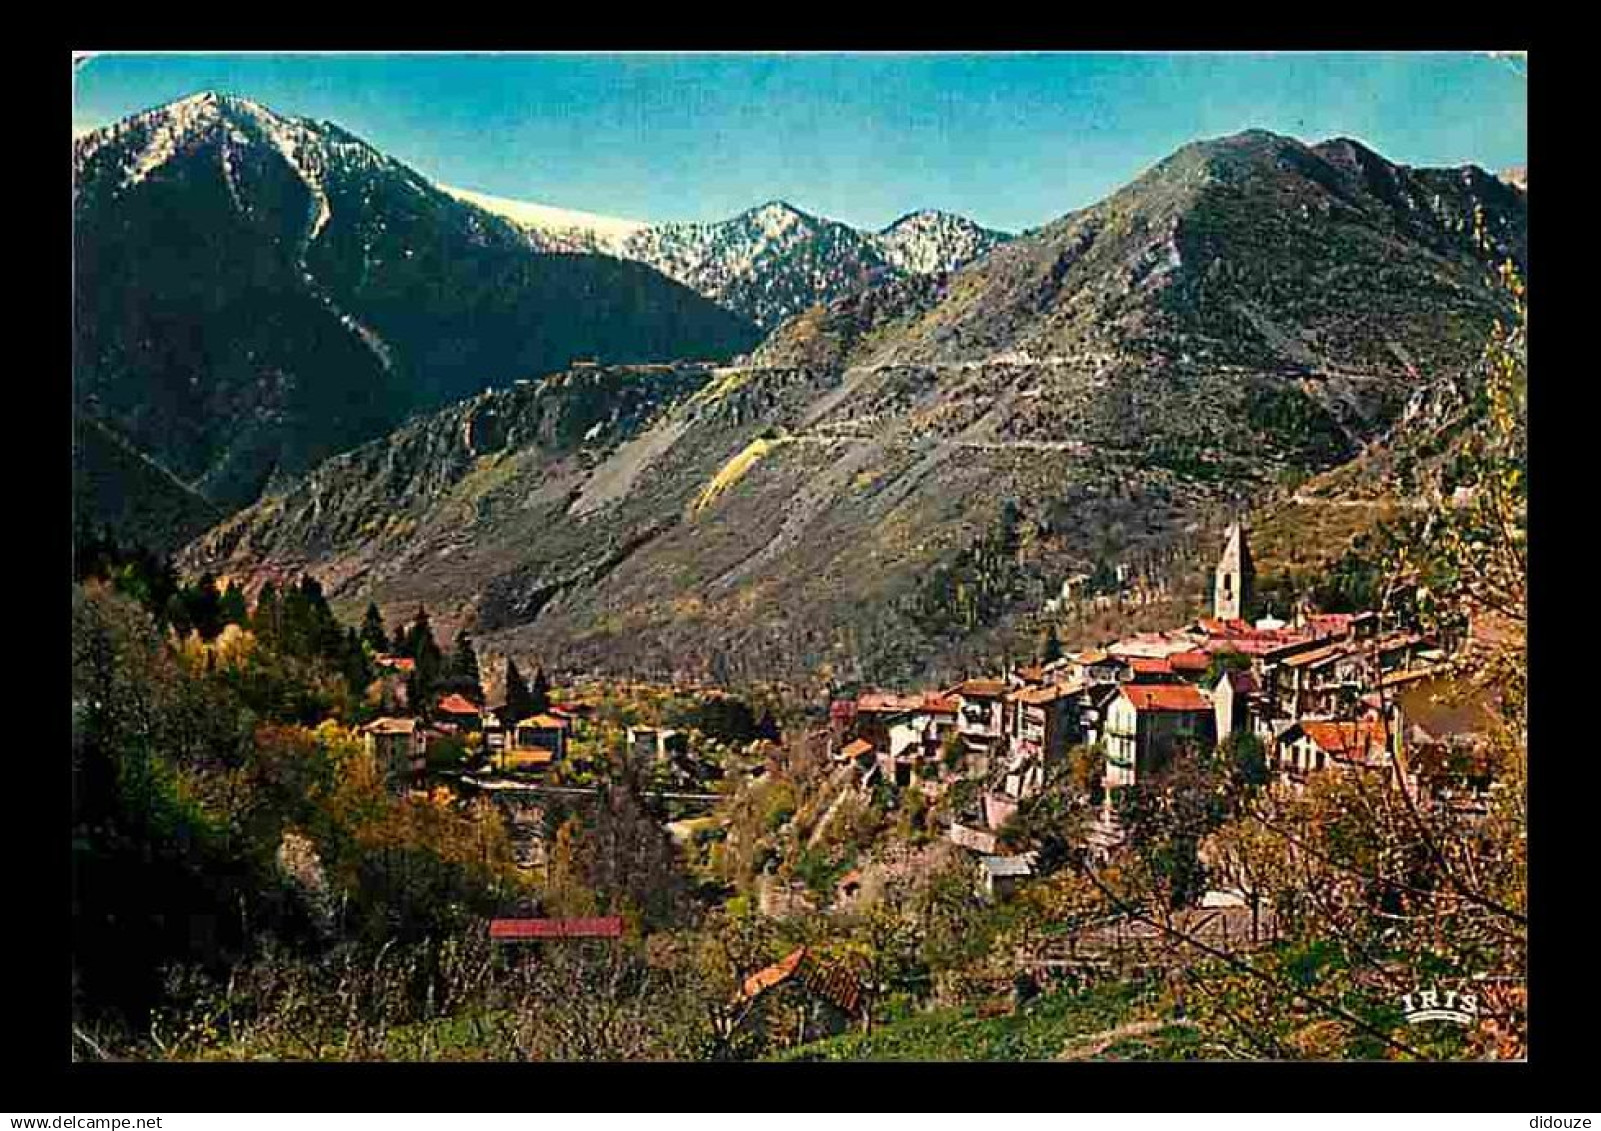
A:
(1093, 1044)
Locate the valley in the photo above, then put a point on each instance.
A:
(516, 631)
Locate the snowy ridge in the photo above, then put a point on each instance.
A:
(768, 263)
(146, 142)
(566, 229)
(929, 242)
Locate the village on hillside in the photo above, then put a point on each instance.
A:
(1321, 694)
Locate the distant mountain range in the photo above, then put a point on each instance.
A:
(896, 480)
(254, 292)
(767, 264)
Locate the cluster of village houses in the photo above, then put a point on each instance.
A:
(1323, 694)
(401, 743)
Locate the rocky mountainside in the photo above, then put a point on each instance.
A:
(895, 482)
(254, 293)
(768, 263)
(114, 486)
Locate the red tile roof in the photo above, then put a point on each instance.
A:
(1192, 661)
(1165, 697)
(454, 704)
(1344, 739)
(1146, 665)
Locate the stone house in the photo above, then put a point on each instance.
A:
(980, 712)
(1000, 876)
(399, 746)
(535, 742)
(1042, 722)
(649, 745)
(1147, 724)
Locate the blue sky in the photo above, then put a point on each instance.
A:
(1012, 140)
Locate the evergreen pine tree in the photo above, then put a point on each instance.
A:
(464, 667)
(519, 700)
(372, 630)
(430, 662)
(539, 694)
(1053, 646)
(355, 665)
(232, 608)
(267, 621)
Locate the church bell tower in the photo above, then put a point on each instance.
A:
(1233, 586)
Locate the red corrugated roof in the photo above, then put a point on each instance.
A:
(980, 688)
(1165, 697)
(1146, 665)
(610, 927)
(1192, 661)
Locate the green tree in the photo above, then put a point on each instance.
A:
(232, 608)
(267, 619)
(539, 692)
(519, 700)
(1053, 646)
(463, 667)
(372, 630)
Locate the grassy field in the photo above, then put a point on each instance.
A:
(1110, 1021)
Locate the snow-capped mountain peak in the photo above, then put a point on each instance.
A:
(928, 241)
(777, 217)
(768, 262)
(556, 229)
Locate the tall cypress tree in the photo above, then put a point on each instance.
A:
(539, 694)
(372, 630)
(519, 700)
(463, 667)
(430, 661)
